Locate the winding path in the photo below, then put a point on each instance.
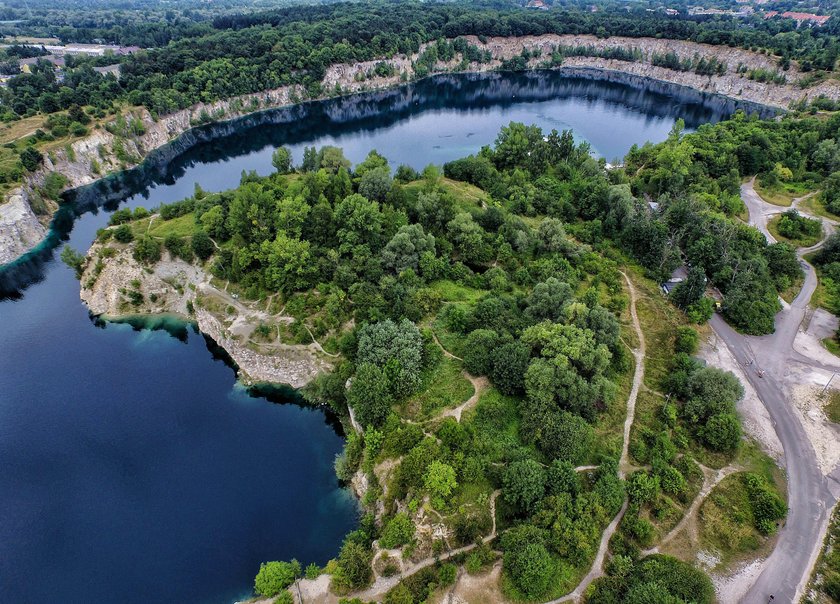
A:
(597, 569)
(711, 478)
(765, 360)
(383, 584)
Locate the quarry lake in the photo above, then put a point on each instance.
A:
(133, 467)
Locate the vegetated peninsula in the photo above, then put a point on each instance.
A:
(153, 103)
(541, 402)
(523, 403)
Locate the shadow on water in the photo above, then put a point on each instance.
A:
(370, 111)
(181, 330)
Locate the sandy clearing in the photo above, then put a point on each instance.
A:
(824, 436)
(809, 342)
(733, 587)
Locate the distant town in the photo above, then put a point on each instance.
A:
(58, 53)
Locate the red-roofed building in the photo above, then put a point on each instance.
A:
(800, 18)
(539, 4)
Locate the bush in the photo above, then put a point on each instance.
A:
(767, 507)
(123, 234)
(398, 532)
(722, 432)
(526, 560)
(354, 569)
(202, 245)
(687, 340)
(146, 250)
(524, 484)
(274, 577)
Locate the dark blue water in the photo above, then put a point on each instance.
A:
(133, 468)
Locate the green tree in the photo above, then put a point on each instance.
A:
(509, 365)
(281, 159)
(288, 266)
(561, 477)
(123, 234)
(398, 531)
(440, 482)
(332, 159)
(711, 391)
(566, 436)
(370, 395)
(147, 250)
(642, 487)
(400, 594)
(375, 184)
(524, 484)
(31, 158)
(406, 248)
(527, 561)
(722, 432)
(396, 348)
(202, 245)
(480, 350)
(354, 569)
(548, 300)
(74, 260)
(468, 238)
(686, 341)
(691, 290)
(274, 577)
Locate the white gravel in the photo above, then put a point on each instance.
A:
(757, 422)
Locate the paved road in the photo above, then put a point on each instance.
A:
(810, 495)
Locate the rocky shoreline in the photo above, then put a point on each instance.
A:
(115, 286)
(104, 153)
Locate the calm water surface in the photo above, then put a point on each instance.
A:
(133, 467)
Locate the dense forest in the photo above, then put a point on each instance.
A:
(510, 260)
(234, 53)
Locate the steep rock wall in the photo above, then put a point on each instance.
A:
(102, 153)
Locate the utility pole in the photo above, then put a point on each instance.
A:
(827, 384)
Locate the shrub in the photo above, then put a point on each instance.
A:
(398, 531)
(526, 560)
(146, 250)
(687, 340)
(274, 577)
(722, 432)
(202, 245)
(123, 234)
(767, 507)
(524, 484)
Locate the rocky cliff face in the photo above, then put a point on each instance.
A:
(20, 229)
(115, 285)
(104, 152)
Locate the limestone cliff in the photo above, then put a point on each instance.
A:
(20, 229)
(115, 285)
(124, 145)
